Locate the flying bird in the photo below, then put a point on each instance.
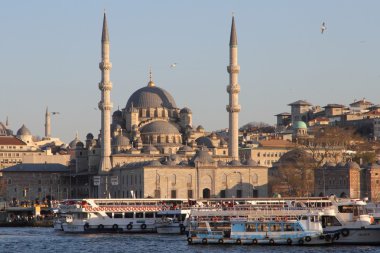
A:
(172, 66)
(54, 113)
(323, 27)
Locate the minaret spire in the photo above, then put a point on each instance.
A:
(151, 83)
(233, 89)
(105, 104)
(47, 124)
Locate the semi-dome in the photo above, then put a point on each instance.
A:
(251, 162)
(185, 148)
(159, 127)
(235, 163)
(23, 131)
(149, 148)
(117, 113)
(299, 125)
(120, 140)
(151, 97)
(154, 163)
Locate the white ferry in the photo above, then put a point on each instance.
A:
(113, 215)
(349, 219)
(259, 228)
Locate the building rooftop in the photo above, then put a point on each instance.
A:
(37, 167)
(11, 140)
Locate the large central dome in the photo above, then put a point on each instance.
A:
(151, 97)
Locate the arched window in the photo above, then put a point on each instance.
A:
(255, 178)
(173, 179)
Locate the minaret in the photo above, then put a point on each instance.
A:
(47, 124)
(105, 104)
(233, 89)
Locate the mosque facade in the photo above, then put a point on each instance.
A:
(152, 149)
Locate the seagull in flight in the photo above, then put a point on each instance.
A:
(54, 113)
(323, 27)
(172, 66)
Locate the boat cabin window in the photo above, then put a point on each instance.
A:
(346, 209)
(262, 228)
(118, 215)
(275, 227)
(329, 221)
(250, 227)
(288, 227)
(149, 215)
(109, 215)
(128, 215)
(139, 215)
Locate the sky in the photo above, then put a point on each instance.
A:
(50, 51)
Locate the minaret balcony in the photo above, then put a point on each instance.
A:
(105, 65)
(233, 69)
(233, 108)
(233, 88)
(105, 86)
(103, 106)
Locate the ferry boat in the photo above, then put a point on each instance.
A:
(113, 215)
(282, 229)
(349, 219)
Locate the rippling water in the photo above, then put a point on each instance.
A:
(47, 240)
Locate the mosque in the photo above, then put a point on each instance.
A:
(150, 148)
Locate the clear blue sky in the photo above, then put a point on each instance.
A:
(50, 52)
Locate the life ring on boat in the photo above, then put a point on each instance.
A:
(307, 238)
(238, 241)
(101, 227)
(115, 227)
(300, 242)
(204, 241)
(86, 226)
(129, 226)
(143, 226)
(182, 228)
(254, 241)
(328, 238)
(220, 241)
(271, 242)
(189, 240)
(289, 241)
(345, 232)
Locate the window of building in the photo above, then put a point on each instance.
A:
(223, 193)
(173, 194)
(157, 193)
(190, 194)
(238, 193)
(9, 181)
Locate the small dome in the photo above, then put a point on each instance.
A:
(149, 148)
(154, 163)
(200, 128)
(352, 165)
(89, 136)
(235, 163)
(120, 140)
(185, 110)
(204, 141)
(174, 157)
(183, 163)
(202, 156)
(299, 125)
(251, 162)
(159, 127)
(118, 114)
(23, 131)
(79, 144)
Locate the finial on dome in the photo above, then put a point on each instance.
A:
(151, 83)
